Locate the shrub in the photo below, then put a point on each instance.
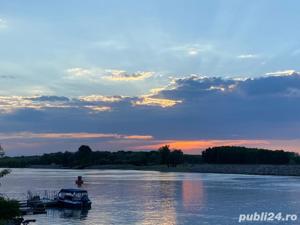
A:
(9, 209)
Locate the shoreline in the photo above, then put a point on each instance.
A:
(253, 169)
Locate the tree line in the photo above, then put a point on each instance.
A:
(86, 157)
(243, 155)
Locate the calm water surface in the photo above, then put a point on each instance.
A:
(149, 198)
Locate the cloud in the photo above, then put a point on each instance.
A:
(277, 84)
(121, 75)
(101, 98)
(162, 102)
(79, 72)
(282, 73)
(87, 74)
(230, 107)
(189, 110)
(191, 49)
(193, 86)
(92, 103)
(96, 74)
(10, 104)
(98, 108)
(79, 135)
(50, 99)
(248, 56)
(3, 23)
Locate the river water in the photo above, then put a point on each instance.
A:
(150, 198)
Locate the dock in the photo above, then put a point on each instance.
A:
(37, 203)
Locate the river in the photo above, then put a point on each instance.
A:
(150, 198)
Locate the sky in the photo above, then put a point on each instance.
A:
(135, 75)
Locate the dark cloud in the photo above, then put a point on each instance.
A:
(272, 85)
(194, 87)
(189, 108)
(50, 98)
(265, 107)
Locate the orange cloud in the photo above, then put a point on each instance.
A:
(162, 102)
(138, 137)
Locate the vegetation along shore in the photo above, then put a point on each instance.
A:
(224, 159)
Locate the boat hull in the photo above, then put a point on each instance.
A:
(74, 204)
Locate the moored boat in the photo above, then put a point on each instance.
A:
(73, 198)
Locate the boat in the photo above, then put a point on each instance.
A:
(73, 198)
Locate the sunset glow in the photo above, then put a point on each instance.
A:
(196, 145)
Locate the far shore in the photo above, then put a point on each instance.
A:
(253, 169)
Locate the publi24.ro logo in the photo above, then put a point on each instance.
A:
(267, 217)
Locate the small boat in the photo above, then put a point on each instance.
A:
(73, 198)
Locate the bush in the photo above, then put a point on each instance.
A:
(9, 209)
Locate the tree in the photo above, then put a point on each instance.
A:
(84, 155)
(243, 155)
(84, 150)
(9, 209)
(4, 172)
(170, 157)
(164, 152)
(176, 157)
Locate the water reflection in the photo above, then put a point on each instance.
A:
(192, 194)
(161, 209)
(68, 213)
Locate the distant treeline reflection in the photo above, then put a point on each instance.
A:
(85, 157)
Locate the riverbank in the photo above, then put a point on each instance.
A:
(277, 170)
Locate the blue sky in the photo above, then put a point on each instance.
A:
(122, 74)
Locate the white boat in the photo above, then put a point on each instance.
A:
(73, 198)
